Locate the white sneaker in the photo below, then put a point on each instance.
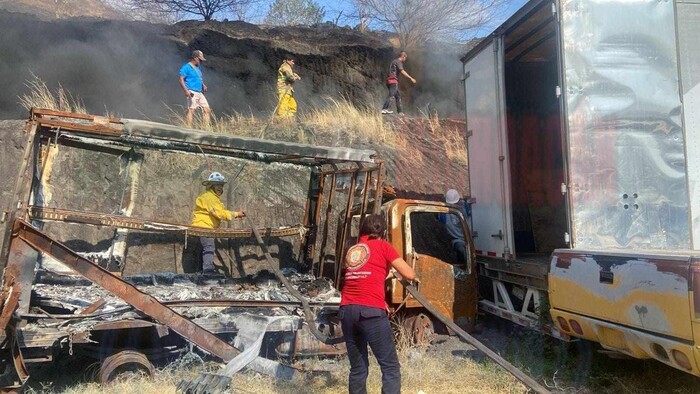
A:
(386, 111)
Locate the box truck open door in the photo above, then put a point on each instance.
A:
(491, 217)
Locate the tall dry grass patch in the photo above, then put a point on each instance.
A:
(40, 96)
(341, 117)
(451, 138)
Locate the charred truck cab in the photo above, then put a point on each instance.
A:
(584, 166)
(417, 234)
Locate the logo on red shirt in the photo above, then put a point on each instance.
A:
(357, 256)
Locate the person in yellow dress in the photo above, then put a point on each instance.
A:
(287, 105)
(209, 211)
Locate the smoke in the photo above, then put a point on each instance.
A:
(126, 68)
(440, 86)
(130, 69)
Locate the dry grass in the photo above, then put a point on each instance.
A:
(355, 124)
(449, 137)
(40, 96)
(339, 120)
(441, 373)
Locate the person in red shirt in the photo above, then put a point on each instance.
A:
(363, 309)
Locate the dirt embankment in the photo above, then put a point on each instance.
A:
(131, 68)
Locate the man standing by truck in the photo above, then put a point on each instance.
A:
(392, 83)
(192, 83)
(209, 211)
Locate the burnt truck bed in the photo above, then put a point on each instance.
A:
(119, 319)
(69, 311)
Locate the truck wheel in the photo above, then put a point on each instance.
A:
(127, 362)
(421, 328)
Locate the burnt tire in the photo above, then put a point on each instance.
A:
(125, 362)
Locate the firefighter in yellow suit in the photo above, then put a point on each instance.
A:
(209, 211)
(287, 105)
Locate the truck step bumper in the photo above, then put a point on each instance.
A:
(678, 353)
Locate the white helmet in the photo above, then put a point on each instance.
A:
(452, 196)
(214, 177)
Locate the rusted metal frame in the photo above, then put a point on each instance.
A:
(21, 266)
(93, 307)
(92, 128)
(111, 149)
(21, 374)
(324, 239)
(118, 135)
(23, 188)
(127, 222)
(311, 216)
(340, 249)
(350, 170)
(126, 291)
(41, 112)
(378, 190)
(365, 195)
(176, 146)
(10, 300)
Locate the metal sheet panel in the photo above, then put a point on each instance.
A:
(490, 213)
(688, 13)
(627, 159)
(161, 131)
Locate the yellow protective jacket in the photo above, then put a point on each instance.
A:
(209, 211)
(285, 78)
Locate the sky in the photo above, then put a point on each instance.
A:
(335, 7)
(341, 10)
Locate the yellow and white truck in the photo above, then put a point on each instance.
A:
(584, 159)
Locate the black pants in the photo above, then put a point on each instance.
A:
(393, 92)
(363, 325)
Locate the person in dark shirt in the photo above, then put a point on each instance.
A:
(392, 83)
(363, 306)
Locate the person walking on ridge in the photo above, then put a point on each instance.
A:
(192, 83)
(392, 83)
(286, 104)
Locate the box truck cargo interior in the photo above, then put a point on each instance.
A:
(534, 134)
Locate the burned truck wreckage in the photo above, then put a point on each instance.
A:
(96, 274)
(57, 301)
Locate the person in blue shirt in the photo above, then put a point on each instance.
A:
(192, 83)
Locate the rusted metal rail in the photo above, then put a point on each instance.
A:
(23, 232)
(294, 292)
(520, 375)
(127, 222)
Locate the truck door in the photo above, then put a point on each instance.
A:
(487, 145)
